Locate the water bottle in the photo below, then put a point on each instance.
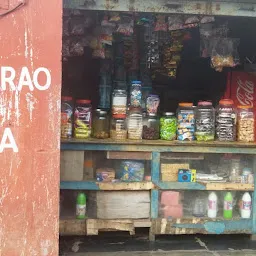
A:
(212, 205)
(246, 206)
(228, 206)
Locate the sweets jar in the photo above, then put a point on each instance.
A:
(226, 121)
(135, 124)
(151, 125)
(119, 102)
(245, 124)
(118, 130)
(186, 121)
(100, 124)
(152, 104)
(136, 94)
(66, 117)
(82, 119)
(168, 126)
(205, 121)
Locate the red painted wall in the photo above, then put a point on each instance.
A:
(29, 179)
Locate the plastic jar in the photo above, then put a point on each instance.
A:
(245, 124)
(66, 117)
(118, 130)
(151, 125)
(168, 126)
(205, 121)
(226, 121)
(83, 119)
(186, 122)
(100, 124)
(135, 124)
(135, 94)
(119, 102)
(153, 102)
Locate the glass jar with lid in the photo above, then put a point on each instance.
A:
(135, 124)
(186, 121)
(119, 102)
(66, 117)
(205, 121)
(135, 94)
(100, 124)
(168, 126)
(151, 128)
(245, 124)
(118, 130)
(226, 121)
(82, 119)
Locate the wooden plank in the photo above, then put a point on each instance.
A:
(93, 226)
(144, 185)
(69, 227)
(129, 155)
(71, 165)
(230, 186)
(200, 225)
(154, 203)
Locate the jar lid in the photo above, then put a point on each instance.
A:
(152, 114)
(247, 170)
(204, 103)
(66, 98)
(244, 106)
(186, 104)
(226, 102)
(136, 82)
(168, 114)
(83, 101)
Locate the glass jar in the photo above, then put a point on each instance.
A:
(118, 130)
(226, 121)
(245, 124)
(83, 119)
(66, 117)
(186, 122)
(168, 126)
(235, 171)
(135, 94)
(135, 124)
(105, 96)
(151, 125)
(145, 93)
(153, 102)
(100, 124)
(205, 121)
(119, 102)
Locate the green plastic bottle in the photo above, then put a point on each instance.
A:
(81, 206)
(228, 206)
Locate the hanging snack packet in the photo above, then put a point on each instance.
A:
(76, 48)
(77, 26)
(191, 22)
(107, 30)
(224, 53)
(175, 22)
(161, 24)
(207, 19)
(125, 26)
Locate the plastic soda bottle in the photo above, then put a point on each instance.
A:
(212, 205)
(81, 206)
(228, 206)
(246, 206)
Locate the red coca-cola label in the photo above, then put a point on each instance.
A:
(241, 89)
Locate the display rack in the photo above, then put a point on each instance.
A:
(160, 226)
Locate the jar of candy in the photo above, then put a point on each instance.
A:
(153, 102)
(151, 125)
(245, 124)
(119, 102)
(100, 124)
(118, 130)
(83, 119)
(66, 117)
(168, 126)
(135, 124)
(226, 121)
(186, 122)
(205, 121)
(135, 94)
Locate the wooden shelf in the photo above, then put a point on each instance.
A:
(113, 186)
(159, 146)
(165, 185)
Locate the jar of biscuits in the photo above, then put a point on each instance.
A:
(245, 124)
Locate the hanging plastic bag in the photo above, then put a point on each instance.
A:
(125, 26)
(224, 53)
(175, 22)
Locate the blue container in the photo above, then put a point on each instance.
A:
(131, 171)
